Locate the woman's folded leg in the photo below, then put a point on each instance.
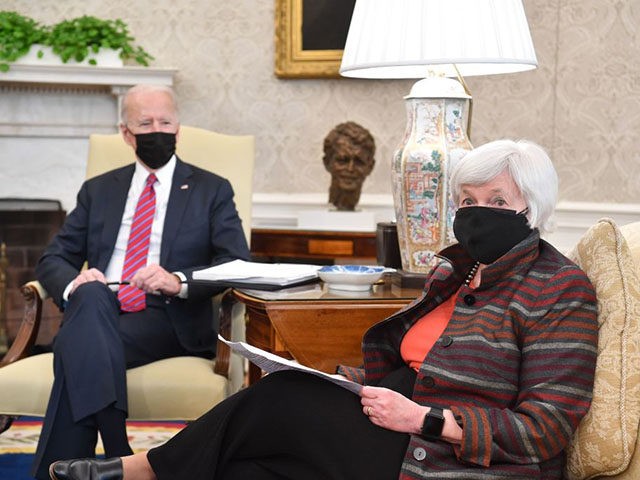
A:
(288, 425)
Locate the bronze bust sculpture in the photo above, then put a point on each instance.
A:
(349, 156)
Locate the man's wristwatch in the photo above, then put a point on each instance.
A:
(433, 424)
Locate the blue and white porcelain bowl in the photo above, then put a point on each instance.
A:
(356, 278)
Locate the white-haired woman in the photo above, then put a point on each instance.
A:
(485, 376)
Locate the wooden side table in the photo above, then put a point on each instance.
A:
(311, 245)
(317, 327)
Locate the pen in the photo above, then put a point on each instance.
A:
(125, 282)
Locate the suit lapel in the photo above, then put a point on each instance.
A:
(181, 187)
(118, 187)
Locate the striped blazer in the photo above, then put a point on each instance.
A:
(515, 364)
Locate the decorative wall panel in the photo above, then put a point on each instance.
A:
(582, 103)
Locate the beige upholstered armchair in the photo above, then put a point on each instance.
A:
(606, 443)
(171, 389)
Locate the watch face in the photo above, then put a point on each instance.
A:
(433, 423)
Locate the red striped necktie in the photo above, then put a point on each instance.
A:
(132, 299)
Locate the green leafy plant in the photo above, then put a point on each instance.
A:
(78, 37)
(17, 34)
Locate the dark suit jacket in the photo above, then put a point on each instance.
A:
(201, 228)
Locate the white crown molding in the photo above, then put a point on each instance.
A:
(572, 219)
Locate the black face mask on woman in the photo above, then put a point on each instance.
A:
(488, 233)
(155, 149)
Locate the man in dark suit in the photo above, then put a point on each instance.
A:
(188, 222)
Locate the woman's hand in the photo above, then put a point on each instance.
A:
(392, 410)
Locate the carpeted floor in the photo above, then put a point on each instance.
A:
(18, 444)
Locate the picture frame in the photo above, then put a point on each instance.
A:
(310, 36)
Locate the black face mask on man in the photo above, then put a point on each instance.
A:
(488, 233)
(155, 149)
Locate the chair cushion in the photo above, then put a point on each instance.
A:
(26, 385)
(606, 437)
(181, 388)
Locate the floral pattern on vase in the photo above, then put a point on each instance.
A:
(435, 139)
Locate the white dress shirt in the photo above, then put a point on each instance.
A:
(162, 188)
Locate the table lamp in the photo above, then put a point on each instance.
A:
(433, 40)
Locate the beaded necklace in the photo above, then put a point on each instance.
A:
(472, 273)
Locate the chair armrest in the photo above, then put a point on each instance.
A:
(33, 294)
(223, 352)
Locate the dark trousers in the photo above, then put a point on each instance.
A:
(289, 425)
(94, 347)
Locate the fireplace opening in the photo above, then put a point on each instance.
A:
(26, 227)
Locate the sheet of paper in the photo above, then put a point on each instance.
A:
(273, 363)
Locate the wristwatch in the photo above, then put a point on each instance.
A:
(433, 424)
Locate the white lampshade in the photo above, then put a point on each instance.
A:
(410, 38)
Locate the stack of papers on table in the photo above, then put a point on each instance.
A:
(265, 276)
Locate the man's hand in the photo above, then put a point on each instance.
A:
(85, 276)
(154, 278)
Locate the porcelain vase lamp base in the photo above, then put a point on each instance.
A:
(435, 139)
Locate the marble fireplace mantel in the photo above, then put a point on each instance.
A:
(23, 86)
(86, 75)
(47, 113)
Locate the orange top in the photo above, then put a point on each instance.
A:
(422, 336)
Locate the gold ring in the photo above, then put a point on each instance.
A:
(369, 411)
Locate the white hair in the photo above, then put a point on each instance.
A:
(146, 88)
(529, 166)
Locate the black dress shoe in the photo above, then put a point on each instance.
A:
(87, 469)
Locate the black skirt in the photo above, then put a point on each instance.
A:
(288, 425)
